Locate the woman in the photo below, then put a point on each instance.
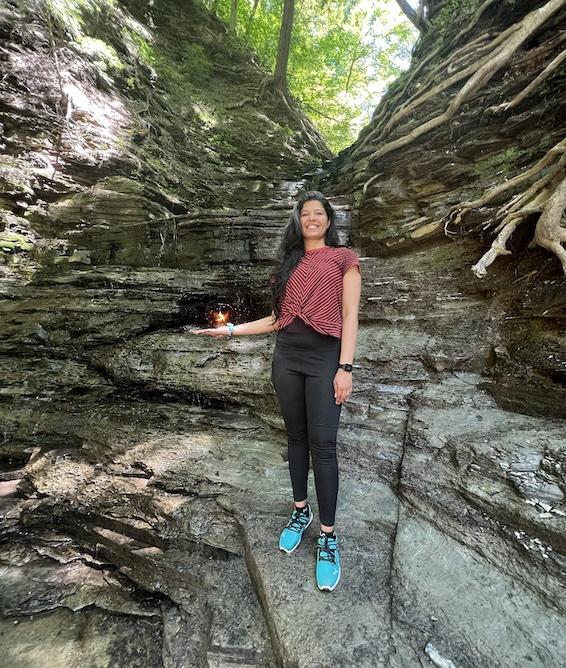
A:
(315, 292)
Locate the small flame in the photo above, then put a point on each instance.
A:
(220, 317)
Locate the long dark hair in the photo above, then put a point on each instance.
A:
(292, 247)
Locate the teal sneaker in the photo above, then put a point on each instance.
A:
(327, 563)
(291, 535)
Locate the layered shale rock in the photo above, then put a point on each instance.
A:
(143, 477)
(468, 147)
(452, 160)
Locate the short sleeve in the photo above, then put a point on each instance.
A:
(349, 259)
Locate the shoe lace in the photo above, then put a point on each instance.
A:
(297, 521)
(326, 552)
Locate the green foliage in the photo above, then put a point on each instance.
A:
(195, 64)
(343, 55)
(142, 48)
(70, 15)
(101, 53)
(453, 10)
(81, 21)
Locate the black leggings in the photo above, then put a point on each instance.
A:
(302, 372)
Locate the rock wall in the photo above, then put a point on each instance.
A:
(115, 115)
(438, 144)
(477, 364)
(144, 477)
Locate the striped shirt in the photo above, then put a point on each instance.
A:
(314, 290)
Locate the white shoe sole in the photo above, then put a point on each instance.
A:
(297, 545)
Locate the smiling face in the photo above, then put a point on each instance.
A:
(314, 221)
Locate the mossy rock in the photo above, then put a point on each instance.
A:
(15, 176)
(502, 162)
(12, 242)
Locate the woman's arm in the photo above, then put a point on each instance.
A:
(262, 326)
(350, 307)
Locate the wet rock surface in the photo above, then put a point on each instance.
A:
(143, 473)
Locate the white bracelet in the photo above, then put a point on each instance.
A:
(230, 328)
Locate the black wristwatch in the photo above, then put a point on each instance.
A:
(346, 367)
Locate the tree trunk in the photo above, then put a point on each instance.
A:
(233, 15)
(252, 15)
(415, 18)
(355, 58)
(280, 77)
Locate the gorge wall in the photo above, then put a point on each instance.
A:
(483, 104)
(144, 480)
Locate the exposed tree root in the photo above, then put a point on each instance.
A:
(268, 91)
(550, 200)
(535, 83)
(471, 24)
(524, 201)
(543, 196)
(427, 94)
(308, 129)
(424, 94)
(508, 226)
(266, 87)
(506, 44)
(539, 192)
(456, 215)
(549, 233)
(241, 103)
(392, 101)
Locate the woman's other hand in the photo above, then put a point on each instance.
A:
(342, 386)
(217, 332)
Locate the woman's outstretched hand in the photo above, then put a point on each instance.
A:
(342, 386)
(217, 332)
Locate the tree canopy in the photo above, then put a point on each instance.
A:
(343, 55)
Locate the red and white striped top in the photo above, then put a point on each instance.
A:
(314, 289)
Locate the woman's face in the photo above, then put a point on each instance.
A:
(314, 221)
